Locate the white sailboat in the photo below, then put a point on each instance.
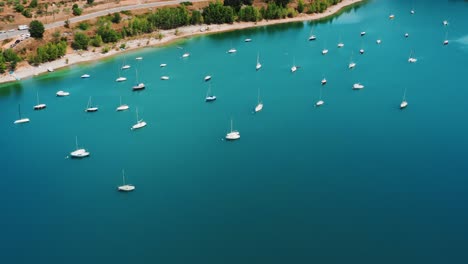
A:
(122, 107)
(124, 66)
(79, 153)
(411, 58)
(445, 23)
(185, 55)
(209, 97)
(125, 187)
(311, 35)
(259, 105)
(139, 124)
(340, 43)
(392, 16)
(259, 65)
(162, 65)
(404, 103)
(207, 78)
(139, 85)
(363, 33)
(446, 42)
(406, 35)
(358, 86)
(378, 41)
(248, 40)
(320, 102)
(85, 76)
(139, 58)
(62, 93)
(120, 78)
(21, 120)
(39, 106)
(412, 12)
(90, 108)
(323, 81)
(232, 50)
(233, 135)
(294, 67)
(351, 64)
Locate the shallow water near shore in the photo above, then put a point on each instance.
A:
(355, 181)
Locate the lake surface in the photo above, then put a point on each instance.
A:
(355, 181)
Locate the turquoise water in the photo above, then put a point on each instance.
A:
(355, 181)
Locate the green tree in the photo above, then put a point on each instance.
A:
(196, 18)
(36, 29)
(33, 4)
(80, 41)
(76, 10)
(89, 2)
(27, 13)
(2, 64)
(116, 18)
(19, 8)
(300, 6)
(96, 41)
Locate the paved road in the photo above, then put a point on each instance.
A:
(97, 14)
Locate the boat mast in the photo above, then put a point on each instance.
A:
(76, 142)
(231, 125)
(137, 115)
(19, 111)
(37, 97)
(404, 95)
(123, 176)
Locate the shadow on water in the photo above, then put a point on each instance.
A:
(9, 89)
(346, 10)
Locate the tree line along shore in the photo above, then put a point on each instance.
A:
(104, 32)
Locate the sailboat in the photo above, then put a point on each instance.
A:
(406, 35)
(378, 41)
(340, 43)
(324, 81)
(21, 120)
(324, 51)
(209, 97)
(391, 16)
(259, 65)
(445, 23)
(259, 106)
(312, 36)
(207, 78)
(358, 86)
(39, 106)
(62, 93)
(233, 135)
(412, 59)
(446, 42)
(140, 123)
(125, 187)
(120, 78)
(232, 50)
(124, 66)
(90, 108)
(294, 67)
(320, 102)
(139, 85)
(122, 107)
(404, 103)
(363, 33)
(185, 55)
(79, 153)
(351, 63)
(85, 76)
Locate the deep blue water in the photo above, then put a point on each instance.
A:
(355, 181)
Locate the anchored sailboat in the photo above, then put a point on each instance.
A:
(21, 120)
(122, 107)
(90, 108)
(209, 97)
(39, 106)
(79, 153)
(404, 103)
(125, 187)
(139, 85)
(259, 106)
(140, 123)
(258, 66)
(233, 135)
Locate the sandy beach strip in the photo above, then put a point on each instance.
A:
(23, 72)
